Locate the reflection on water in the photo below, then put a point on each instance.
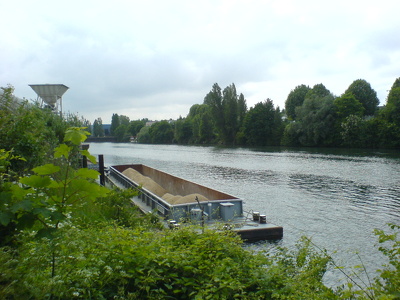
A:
(334, 196)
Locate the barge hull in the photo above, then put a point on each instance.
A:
(214, 211)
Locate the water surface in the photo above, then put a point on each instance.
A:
(336, 197)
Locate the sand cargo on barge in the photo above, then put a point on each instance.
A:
(179, 201)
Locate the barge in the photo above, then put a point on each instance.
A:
(178, 201)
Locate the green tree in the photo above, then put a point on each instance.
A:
(32, 132)
(98, 130)
(121, 133)
(364, 93)
(214, 100)
(291, 134)
(353, 131)
(318, 91)
(347, 105)
(143, 135)
(135, 126)
(295, 98)
(206, 130)
(227, 111)
(396, 83)
(44, 200)
(161, 133)
(124, 120)
(263, 125)
(230, 113)
(393, 105)
(114, 123)
(242, 109)
(202, 124)
(183, 131)
(316, 118)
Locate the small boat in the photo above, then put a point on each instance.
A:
(178, 201)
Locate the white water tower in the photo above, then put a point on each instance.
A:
(51, 95)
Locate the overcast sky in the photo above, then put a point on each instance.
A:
(155, 59)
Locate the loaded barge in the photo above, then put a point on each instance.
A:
(179, 201)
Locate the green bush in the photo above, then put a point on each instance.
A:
(75, 239)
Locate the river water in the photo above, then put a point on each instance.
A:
(336, 197)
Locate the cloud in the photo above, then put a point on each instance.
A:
(155, 59)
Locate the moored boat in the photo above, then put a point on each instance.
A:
(178, 201)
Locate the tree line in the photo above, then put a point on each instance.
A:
(312, 116)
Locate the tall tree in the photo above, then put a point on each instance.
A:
(230, 109)
(98, 130)
(396, 83)
(364, 93)
(201, 122)
(242, 109)
(214, 100)
(121, 133)
(263, 125)
(206, 130)
(114, 123)
(295, 99)
(124, 120)
(393, 103)
(227, 111)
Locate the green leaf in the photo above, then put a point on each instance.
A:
(46, 169)
(62, 150)
(5, 217)
(56, 185)
(76, 135)
(42, 211)
(26, 220)
(36, 181)
(46, 233)
(90, 157)
(87, 173)
(24, 205)
(18, 192)
(57, 216)
(5, 197)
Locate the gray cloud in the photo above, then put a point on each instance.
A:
(157, 58)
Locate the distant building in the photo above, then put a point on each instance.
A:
(149, 123)
(107, 129)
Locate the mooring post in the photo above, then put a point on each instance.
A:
(84, 158)
(101, 169)
(84, 161)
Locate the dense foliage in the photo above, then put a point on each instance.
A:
(30, 131)
(312, 117)
(65, 237)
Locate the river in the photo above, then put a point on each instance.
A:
(336, 197)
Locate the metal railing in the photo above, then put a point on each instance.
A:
(151, 200)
